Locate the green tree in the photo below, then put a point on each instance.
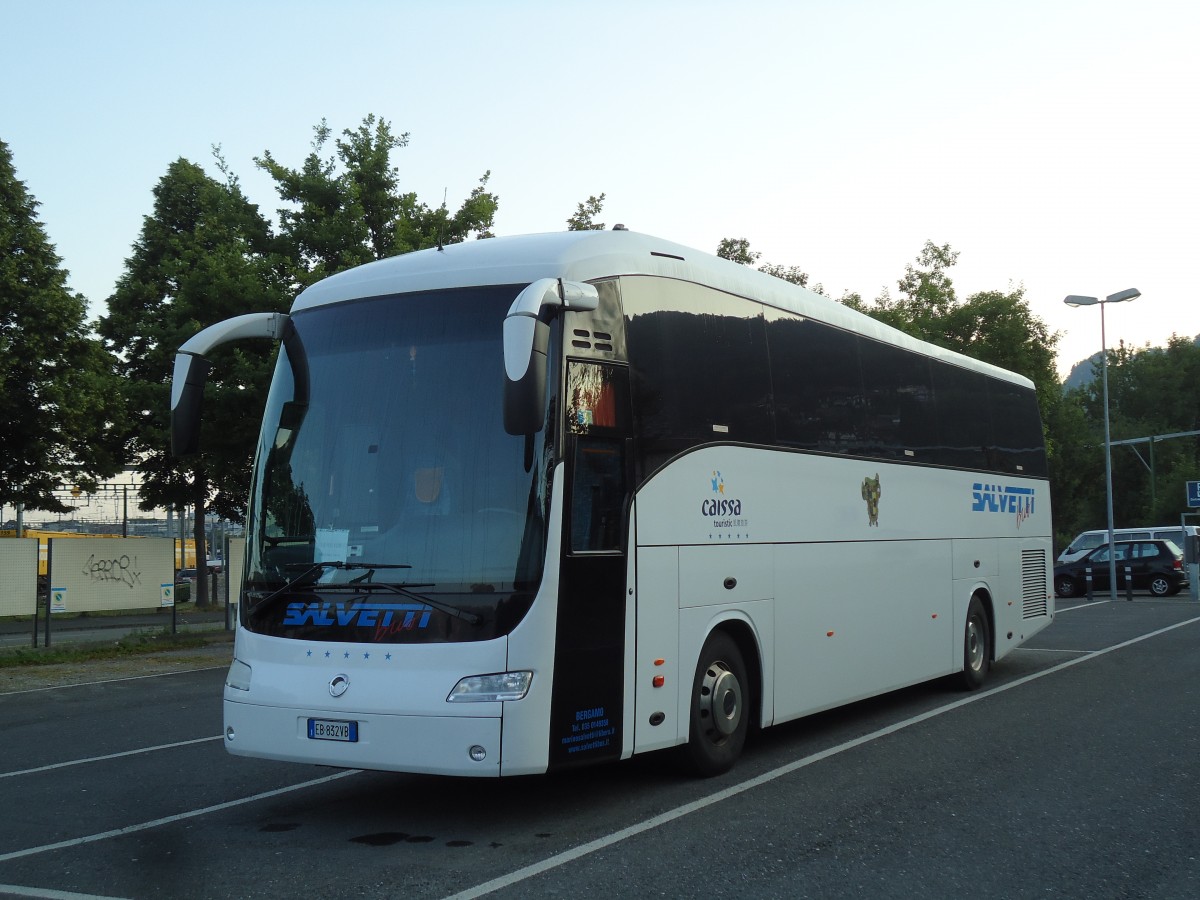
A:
(345, 207)
(59, 409)
(204, 255)
(1150, 395)
(926, 298)
(1075, 455)
(926, 289)
(585, 214)
(737, 250)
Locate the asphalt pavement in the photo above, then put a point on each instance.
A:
(1072, 773)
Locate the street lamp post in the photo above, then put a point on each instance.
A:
(1119, 297)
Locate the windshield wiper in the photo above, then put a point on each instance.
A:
(404, 590)
(309, 575)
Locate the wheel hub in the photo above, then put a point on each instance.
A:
(721, 698)
(975, 648)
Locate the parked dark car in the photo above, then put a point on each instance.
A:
(1155, 566)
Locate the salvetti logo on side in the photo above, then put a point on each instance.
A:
(1005, 499)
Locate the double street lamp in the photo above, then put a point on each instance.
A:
(1119, 297)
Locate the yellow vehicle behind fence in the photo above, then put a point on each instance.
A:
(43, 536)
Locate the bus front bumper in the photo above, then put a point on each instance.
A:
(434, 745)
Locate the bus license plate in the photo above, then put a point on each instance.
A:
(329, 730)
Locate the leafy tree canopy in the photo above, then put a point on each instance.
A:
(1150, 396)
(585, 214)
(345, 207)
(206, 254)
(737, 250)
(59, 407)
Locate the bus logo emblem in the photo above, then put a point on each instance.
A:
(338, 685)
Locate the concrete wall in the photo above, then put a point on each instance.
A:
(18, 576)
(103, 574)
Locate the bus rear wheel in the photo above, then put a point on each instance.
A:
(720, 707)
(977, 646)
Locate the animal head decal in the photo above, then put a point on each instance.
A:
(871, 492)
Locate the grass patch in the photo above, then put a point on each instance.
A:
(139, 643)
(182, 606)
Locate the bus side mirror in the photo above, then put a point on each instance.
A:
(191, 371)
(525, 391)
(187, 398)
(526, 339)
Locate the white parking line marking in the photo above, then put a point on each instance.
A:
(18, 890)
(167, 820)
(1047, 650)
(679, 812)
(1092, 605)
(80, 762)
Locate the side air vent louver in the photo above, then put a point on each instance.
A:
(1035, 590)
(585, 340)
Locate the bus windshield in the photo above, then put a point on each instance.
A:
(388, 502)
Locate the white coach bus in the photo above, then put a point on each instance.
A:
(526, 503)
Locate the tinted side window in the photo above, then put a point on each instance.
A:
(964, 426)
(707, 366)
(816, 382)
(900, 412)
(698, 367)
(1017, 428)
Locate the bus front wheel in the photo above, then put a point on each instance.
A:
(977, 646)
(719, 709)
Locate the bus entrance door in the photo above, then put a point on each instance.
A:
(587, 701)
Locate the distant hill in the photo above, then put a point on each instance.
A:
(1082, 372)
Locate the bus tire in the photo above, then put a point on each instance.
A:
(720, 707)
(977, 646)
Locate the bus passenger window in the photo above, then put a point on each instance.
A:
(598, 495)
(597, 416)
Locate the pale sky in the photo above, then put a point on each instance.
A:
(1053, 143)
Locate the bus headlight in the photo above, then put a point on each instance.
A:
(239, 676)
(490, 688)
